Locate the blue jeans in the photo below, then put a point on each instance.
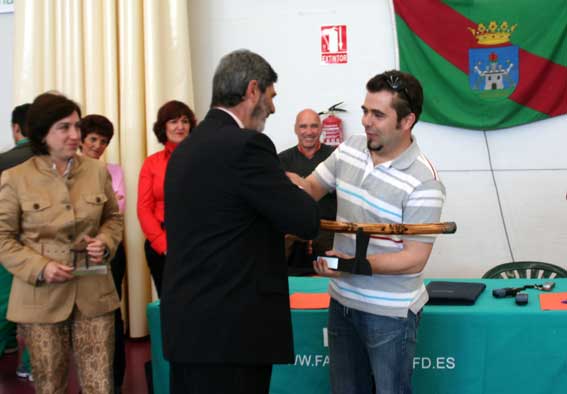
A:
(363, 345)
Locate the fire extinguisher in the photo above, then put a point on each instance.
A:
(332, 126)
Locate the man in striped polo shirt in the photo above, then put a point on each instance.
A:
(381, 177)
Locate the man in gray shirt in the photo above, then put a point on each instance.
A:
(380, 177)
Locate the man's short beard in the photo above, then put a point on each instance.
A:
(257, 112)
(370, 148)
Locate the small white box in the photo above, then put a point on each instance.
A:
(332, 262)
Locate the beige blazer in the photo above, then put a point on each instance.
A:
(43, 215)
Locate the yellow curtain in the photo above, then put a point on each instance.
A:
(123, 60)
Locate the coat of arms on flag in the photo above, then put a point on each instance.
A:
(493, 68)
(485, 64)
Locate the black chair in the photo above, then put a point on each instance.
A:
(525, 269)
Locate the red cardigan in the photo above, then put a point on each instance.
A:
(150, 197)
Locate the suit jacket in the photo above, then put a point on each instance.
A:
(15, 156)
(228, 204)
(42, 217)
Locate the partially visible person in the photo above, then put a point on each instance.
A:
(58, 212)
(20, 153)
(302, 160)
(225, 304)
(174, 122)
(96, 133)
(380, 177)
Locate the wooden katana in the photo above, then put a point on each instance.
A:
(389, 228)
(359, 264)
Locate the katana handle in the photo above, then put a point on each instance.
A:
(389, 228)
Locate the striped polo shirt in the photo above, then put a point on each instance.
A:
(404, 190)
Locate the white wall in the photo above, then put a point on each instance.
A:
(505, 189)
(287, 35)
(6, 105)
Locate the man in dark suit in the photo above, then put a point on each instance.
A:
(228, 203)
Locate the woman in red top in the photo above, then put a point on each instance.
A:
(174, 122)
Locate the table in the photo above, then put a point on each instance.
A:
(493, 347)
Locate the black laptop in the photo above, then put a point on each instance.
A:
(454, 293)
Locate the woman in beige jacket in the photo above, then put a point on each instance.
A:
(58, 216)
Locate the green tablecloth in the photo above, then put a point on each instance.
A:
(493, 347)
(310, 373)
(160, 367)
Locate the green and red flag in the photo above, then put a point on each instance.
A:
(486, 64)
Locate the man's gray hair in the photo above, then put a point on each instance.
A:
(233, 74)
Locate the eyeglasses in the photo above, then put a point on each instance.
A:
(396, 84)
